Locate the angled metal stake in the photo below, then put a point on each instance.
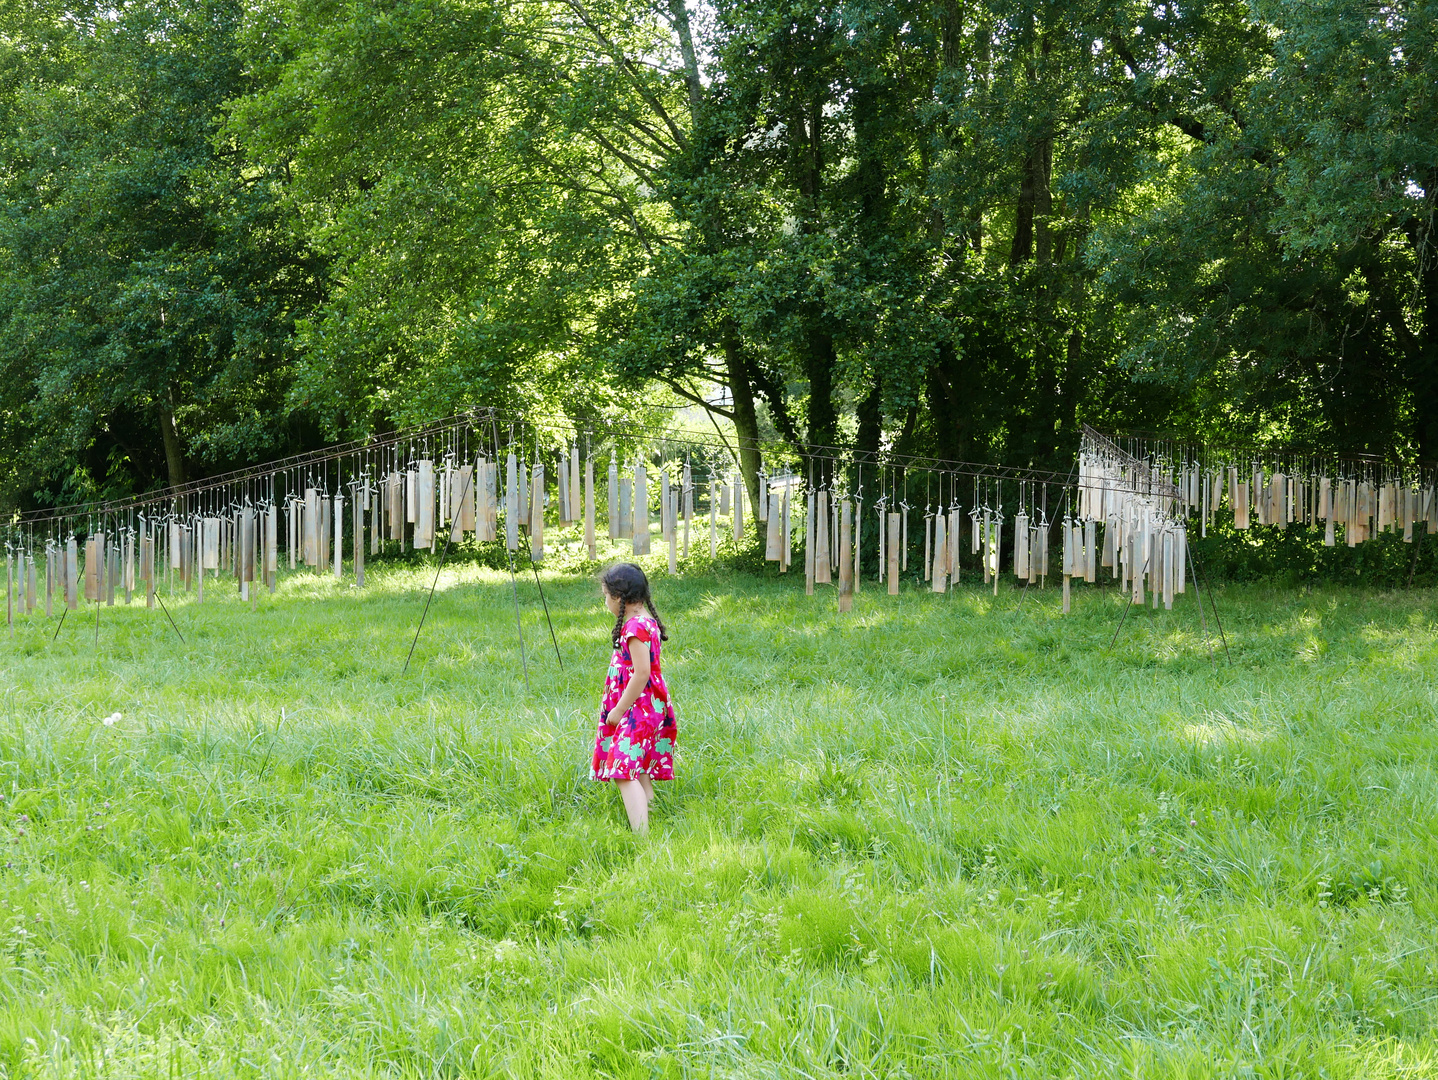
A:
(444, 555)
(1119, 627)
(167, 615)
(535, 567)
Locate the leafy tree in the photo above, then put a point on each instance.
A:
(149, 281)
(1278, 273)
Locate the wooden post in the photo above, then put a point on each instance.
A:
(846, 557)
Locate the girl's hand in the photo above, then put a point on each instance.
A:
(614, 717)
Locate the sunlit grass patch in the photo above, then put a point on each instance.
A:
(941, 836)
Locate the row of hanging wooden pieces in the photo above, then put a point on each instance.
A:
(1145, 535)
(1363, 506)
(406, 505)
(131, 559)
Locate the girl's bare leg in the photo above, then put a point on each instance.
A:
(636, 805)
(648, 786)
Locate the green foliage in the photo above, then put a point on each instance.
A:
(149, 281)
(1294, 557)
(951, 229)
(473, 241)
(942, 836)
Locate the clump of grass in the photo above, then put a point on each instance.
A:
(939, 836)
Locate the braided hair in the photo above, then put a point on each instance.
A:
(626, 583)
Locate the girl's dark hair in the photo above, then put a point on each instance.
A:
(626, 583)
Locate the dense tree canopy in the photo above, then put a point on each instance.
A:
(963, 229)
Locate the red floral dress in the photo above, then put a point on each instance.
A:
(643, 740)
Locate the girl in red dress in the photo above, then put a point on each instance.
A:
(634, 745)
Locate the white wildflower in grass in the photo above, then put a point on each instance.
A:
(111, 720)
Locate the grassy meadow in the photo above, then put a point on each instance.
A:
(942, 836)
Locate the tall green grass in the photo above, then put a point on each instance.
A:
(942, 836)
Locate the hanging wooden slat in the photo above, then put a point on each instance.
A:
(561, 476)
(589, 534)
(956, 544)
(612, 503)
(772, 540)
(374, 506)
(1021, 546)
(687, 496)
(891, 551)
(939, 571)
(786, 543)
(272, 547)
(998, 550)
(625, 522)
(713, 521)
(444, 497)
(210, 543)
(883, 536)
(927, 565)
(671, 514)
(858, 554)
(574, 482)
(490, 520)
(511, 503)
(462, 502)
(337, 520)
(846, 556)
(811, 561)
(666, 521)
(357, 529)
(536, 515)
(526, 499)
(72, 574)
(424, 512)
(640, 511)
(92, 566)
(823, 572)
(395, 506)
(310, 525)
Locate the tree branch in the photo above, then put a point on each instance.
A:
(689, 395)
(1188, 124)
(617, 55)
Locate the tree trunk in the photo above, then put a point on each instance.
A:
(871, 418)
(746, 420)
(1035, 206)
(1425, 382)
(946, 406)
(680, 15)
(823, 420)
(174, 456)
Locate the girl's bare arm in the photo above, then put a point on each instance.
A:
(639, 653)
